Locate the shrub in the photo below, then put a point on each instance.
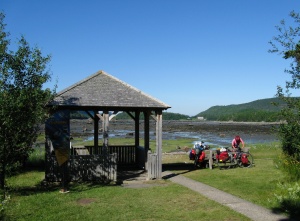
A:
(288, 196)
(289, 165)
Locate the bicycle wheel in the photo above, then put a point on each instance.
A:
(223, 164)
(249, 162)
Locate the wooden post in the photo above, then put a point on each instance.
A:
(210, 160)
(146, 137)
(159, 143)
(137, 128)
(105, 124)
(96, 133)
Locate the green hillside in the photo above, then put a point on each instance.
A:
(255, 111)
(166, 116)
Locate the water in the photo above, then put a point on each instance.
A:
(208, 138)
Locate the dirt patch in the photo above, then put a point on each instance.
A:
(85, 201)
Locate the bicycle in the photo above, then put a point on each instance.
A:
(226, 158)
(197, 154)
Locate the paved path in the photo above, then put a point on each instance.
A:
(254, 212)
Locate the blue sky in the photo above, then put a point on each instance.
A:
(190, 54)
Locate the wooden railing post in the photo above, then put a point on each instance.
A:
(210, 160)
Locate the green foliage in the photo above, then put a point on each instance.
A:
(36, 158)
(288, 196)
(287, 44)
(4, 199)
(78, 115)
(22, 100)
(256, 111)
(174, 116)
(289, 165)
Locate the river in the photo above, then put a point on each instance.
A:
(212, 133)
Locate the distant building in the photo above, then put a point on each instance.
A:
(200, 118)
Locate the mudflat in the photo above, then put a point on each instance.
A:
(185, 126)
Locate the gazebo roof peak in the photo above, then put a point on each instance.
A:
(105, 91)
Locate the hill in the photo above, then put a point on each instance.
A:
(255, 111)
(166, 116)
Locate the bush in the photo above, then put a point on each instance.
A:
(290, 166)
(3, 201)
(288, 196)
(36, 158)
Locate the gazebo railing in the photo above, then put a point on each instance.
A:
(126, 154)
(85, 164)
(84, 167)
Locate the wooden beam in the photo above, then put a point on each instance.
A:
(91, 116)
(130, 115)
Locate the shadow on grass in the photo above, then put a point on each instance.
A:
(42, 186)
(180, 168)
(291, 208)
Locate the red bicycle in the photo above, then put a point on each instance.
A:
(225, 158)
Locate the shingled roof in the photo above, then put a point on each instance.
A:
(104, 91)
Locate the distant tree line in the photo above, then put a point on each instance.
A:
(256, 111)
(166, 116)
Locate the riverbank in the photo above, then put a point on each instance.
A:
(214, 132)
(178, 125)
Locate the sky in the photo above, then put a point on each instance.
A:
(189, 54)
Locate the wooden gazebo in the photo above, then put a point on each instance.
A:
(99, 95)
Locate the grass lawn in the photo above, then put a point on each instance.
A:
(163, 200)
(256, 184)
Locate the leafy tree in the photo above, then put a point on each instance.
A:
(287, 44)
(22, 100)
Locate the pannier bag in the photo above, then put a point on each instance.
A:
(202, 156)
(244, 158)
(194, 152)
(223, 156)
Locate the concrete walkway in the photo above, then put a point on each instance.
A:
(254, 212)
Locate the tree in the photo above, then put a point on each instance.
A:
(22, 99)
(287, 44)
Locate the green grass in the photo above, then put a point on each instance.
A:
(256, 184)
(163, 201)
